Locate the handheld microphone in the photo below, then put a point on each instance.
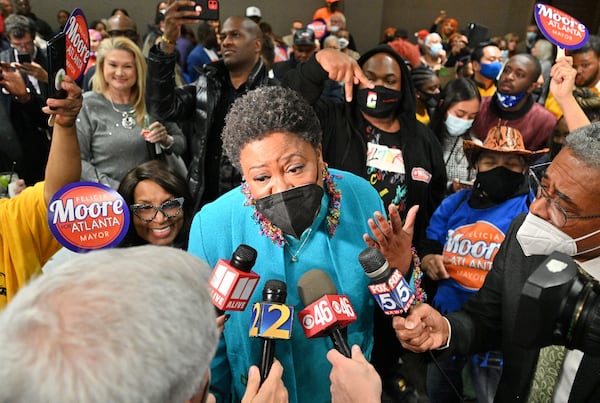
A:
(325, 312)
(232, 282)
(271, 319)
(388, 286)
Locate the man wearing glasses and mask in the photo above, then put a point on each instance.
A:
(564, 217)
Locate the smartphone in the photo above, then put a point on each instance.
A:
(209, 9)
(465, 183)
(57, 65)
(23, 57)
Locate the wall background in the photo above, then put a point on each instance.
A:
(366, 18)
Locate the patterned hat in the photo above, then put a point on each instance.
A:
(501, 139)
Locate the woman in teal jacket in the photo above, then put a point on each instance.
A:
(298, 215)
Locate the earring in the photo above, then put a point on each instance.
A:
(325, 171)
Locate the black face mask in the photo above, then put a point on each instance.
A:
(499, 183)
(378, 102)
(293, 210)
(430, 100)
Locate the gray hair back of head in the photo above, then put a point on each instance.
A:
(584, 143)
(264, 111)
(129, 325)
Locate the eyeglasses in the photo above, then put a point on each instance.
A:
(147, 212)
(557, 213)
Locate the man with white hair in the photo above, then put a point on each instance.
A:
(119, 325)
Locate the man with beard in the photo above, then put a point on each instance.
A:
(205, 102)
(376, 135)
(512, 104)
(586, 60)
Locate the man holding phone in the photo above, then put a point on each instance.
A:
(24, 92)
(23, 54)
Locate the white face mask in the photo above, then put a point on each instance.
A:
(457, 126)
(539, 237)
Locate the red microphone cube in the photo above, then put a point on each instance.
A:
(231, 288)
(325, 313)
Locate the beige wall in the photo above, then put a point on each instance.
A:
(366, 18)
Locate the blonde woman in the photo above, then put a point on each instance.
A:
(115, 133)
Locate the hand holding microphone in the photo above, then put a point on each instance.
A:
(353, 379)
(325, 312)
(423, 329)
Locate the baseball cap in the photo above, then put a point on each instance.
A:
(304, 36)
(253, 11)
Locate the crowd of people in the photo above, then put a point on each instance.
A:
(464, 163)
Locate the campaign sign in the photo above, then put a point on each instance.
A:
(77, 44)
(84, 216)
(559, 27)
(319, 28)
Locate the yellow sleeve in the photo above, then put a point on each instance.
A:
(26, 242)
(552, 106)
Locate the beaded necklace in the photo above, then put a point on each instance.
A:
(275, 234)
(127, 121)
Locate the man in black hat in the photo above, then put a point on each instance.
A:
(304, 47)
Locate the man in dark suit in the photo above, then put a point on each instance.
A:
(564, 217)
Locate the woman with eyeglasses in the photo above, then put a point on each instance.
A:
(160, 204)
(463, 237)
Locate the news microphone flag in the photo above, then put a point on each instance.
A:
(271, 319)
(388, 286)
(232, 282)
(329, 310)
(325, 312)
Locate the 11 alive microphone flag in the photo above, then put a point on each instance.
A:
(388, 286)
(232, 282)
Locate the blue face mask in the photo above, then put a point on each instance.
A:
(490, 70)
(435, 48)
(504, 54)
(531, 36)
(508, 101)
(456, 126)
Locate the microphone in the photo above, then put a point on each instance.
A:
(388, 286)
(325, 312)
(232, 282)
(271, 319)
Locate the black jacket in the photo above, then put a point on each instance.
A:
(194, 106)
(344, 143)
(487, 322)
(24, 131)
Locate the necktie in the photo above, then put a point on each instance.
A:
(546, 374)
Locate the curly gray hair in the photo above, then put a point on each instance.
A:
(585, 144)
(264, 111)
